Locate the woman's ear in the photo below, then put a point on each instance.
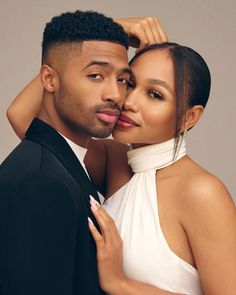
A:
(192, 116)
(48, 77)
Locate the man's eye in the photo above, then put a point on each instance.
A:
(155, 94)
(130, 84)
(124, 81)
(95, 76)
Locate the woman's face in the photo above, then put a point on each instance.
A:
(149, 111)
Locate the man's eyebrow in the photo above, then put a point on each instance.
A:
(106, 65)
(126, 71)
(161, 83)
(97, 63)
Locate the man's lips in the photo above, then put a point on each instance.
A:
(125, 122)
(108, 116)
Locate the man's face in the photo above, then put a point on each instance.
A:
(91, 88)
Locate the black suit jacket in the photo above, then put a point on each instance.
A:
(45, 244)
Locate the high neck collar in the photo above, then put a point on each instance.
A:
(156, 156)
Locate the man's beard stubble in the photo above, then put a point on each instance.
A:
(84, 121)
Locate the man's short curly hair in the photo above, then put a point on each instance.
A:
(79, 26)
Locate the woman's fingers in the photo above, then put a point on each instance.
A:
(152, 23)
(96, 209)
(109, 249)
(105, 222)
(161, 31)
(95, 233)
(142, 30)
(138, 31)
(147, 30)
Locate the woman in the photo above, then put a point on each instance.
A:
(181, 215)
(172, 208)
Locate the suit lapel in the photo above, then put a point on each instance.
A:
(47, 136)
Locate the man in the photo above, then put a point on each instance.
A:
(45, 243)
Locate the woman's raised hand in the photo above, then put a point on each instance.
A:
(143, 31)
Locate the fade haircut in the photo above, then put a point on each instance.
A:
(70, 28)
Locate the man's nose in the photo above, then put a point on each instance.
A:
(114, 93)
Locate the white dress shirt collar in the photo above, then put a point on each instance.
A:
(79, 151)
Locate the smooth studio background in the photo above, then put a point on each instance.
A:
(208, 26)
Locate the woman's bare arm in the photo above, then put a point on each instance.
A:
(209, 220)
(25, 107)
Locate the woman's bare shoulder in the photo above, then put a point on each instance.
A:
(205, 196)
(208, 217)
(203, 185)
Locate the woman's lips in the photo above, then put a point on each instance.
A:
(108, 116)
(125, 122)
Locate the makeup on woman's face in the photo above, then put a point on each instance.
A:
(149, 111)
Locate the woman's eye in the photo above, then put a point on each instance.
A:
(155, 94)
(95, 76)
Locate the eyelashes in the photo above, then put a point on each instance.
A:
(124, 81)
(99, 77)
(95, 76)
(131, 84)
(155, 94)
(150, 92)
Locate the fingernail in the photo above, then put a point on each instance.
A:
(94, 206)
(92, 200)
(90, 220)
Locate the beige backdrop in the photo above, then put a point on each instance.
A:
(206, 25)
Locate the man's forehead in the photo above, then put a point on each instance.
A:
(81, 54)
(104, 50)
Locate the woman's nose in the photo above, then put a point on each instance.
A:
(131, 101)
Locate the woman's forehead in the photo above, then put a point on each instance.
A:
(153, 63)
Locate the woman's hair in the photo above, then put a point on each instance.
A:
(191, 75)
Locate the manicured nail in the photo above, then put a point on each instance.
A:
(92, 200)
(93, 206)
(90, 221)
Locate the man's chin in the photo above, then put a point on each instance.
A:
(102, 133)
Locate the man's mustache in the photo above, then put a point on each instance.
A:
(108, 106)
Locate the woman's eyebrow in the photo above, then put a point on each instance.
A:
(161, 83)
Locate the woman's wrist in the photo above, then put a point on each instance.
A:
(121, 287)
(118, 286)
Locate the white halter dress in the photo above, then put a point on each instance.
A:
(146, 254)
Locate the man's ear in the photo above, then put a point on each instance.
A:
(192, 116)
(48, 78)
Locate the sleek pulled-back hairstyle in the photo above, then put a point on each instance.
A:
(191, 75)
(81, 26)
